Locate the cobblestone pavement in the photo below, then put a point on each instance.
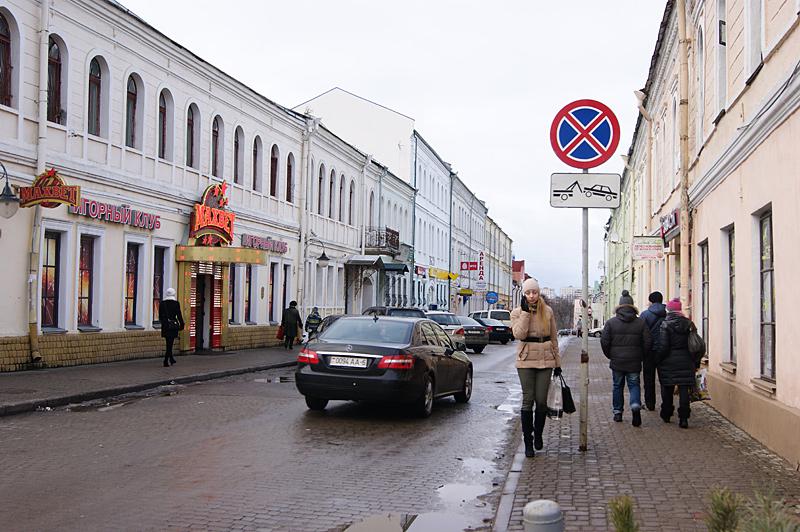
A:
(244, 453)
(668, 471)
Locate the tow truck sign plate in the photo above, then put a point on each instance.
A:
(585, 190)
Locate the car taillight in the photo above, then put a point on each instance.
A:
(396, 362)
(307, 356)
(490, 328)
(460, 331)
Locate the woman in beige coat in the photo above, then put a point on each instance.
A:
(534, 325)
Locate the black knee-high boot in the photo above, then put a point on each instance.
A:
(538, 428)
(527, 431)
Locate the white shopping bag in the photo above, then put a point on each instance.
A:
(555, 402)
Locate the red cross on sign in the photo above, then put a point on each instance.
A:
(584, 134)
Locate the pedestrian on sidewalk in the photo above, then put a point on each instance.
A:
(653, 317)
(312, 322)
(534, 324)
(292, 324)
(676, 365)
(171, 319)
(625, 340)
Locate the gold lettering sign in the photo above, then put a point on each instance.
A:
(49, 191)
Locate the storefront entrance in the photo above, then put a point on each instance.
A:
(205, 297)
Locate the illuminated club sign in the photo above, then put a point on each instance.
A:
(118, 214)
(211, 224)
(49, 191)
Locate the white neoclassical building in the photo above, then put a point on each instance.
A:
(188, 179)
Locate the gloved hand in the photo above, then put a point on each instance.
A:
(557, 372)
(524, 304)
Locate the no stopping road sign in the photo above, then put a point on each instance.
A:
(584, 134)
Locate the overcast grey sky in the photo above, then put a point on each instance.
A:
(482, 79)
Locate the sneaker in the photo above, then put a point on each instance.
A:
(637, 418)
(618, 417)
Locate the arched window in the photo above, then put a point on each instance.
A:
(341, 198)
(238, 155)
(257, 164)
(216, 146)
(371, 209)
(6, 56)
(331, 197)
(131, 104)
(95, 96)
(273, 172)
(165, 133)
(350, 204)
(192, 121)
(320, 189)
(55, 113)
(289, 177)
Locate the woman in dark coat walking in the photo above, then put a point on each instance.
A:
(676, 365)
(291, 323)
(171, 319)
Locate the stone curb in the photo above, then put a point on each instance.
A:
(30, 406)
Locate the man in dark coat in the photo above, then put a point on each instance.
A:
(625, 340)
(291, 323)
(676, 365)
(653, 317)
(171, 320)
(312, 322)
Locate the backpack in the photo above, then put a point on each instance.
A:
(696, 344)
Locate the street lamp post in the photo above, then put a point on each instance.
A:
(9, 202)
(323, 261)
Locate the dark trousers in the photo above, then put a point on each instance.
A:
(667, 403)
(168, 353)
(288, 341)
(649, 378)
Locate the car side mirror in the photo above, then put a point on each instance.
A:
(461, 347)
(448, 352)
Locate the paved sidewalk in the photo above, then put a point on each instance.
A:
(24, 391)
(667, 470)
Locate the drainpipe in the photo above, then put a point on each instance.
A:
(683, 122)
(367, 162)
(308, 133)
(382, 281)
(41, 150)
(414, 301)
(450, 244)
(648, 192)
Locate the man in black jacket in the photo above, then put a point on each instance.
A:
(625, 340)
(292, 324)
(653, 317)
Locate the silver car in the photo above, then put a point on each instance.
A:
(451, 325)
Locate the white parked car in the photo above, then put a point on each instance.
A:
(597, 332)
(496, 314)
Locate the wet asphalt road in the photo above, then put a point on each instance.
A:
(244, 453)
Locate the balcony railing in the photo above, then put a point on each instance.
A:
(382, 241)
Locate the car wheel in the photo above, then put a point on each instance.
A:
(424, 405)
(464, 395)
(315, 403)
(504, 342)
(479, 349)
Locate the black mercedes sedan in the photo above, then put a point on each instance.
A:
(498, 331)
(384, 359)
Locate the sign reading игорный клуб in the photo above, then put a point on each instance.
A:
(118, 214)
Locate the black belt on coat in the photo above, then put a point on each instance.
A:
(537, 339)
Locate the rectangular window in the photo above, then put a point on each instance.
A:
(704, 288)
(232, 295)
(287, 272)
(732, 296)
(85, 281)
(131, 282)
(248, 279)
(158, 279)
(50, 278)
(767, 298)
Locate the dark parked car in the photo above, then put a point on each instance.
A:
(387, 359)
(498, 331)
(476, 336)
(326, 322)
(401, 312)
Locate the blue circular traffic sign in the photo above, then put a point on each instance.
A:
(584, 134)
(492, 297)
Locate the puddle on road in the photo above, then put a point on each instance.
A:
(427, 522)
(275, 380)
(107, 405)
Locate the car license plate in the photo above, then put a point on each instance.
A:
(473, 332)
(348, 362)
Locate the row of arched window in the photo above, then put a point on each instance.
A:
(97, 115)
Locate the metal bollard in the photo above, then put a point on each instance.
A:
(543, 516)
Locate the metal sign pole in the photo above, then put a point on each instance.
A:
(584, 374)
